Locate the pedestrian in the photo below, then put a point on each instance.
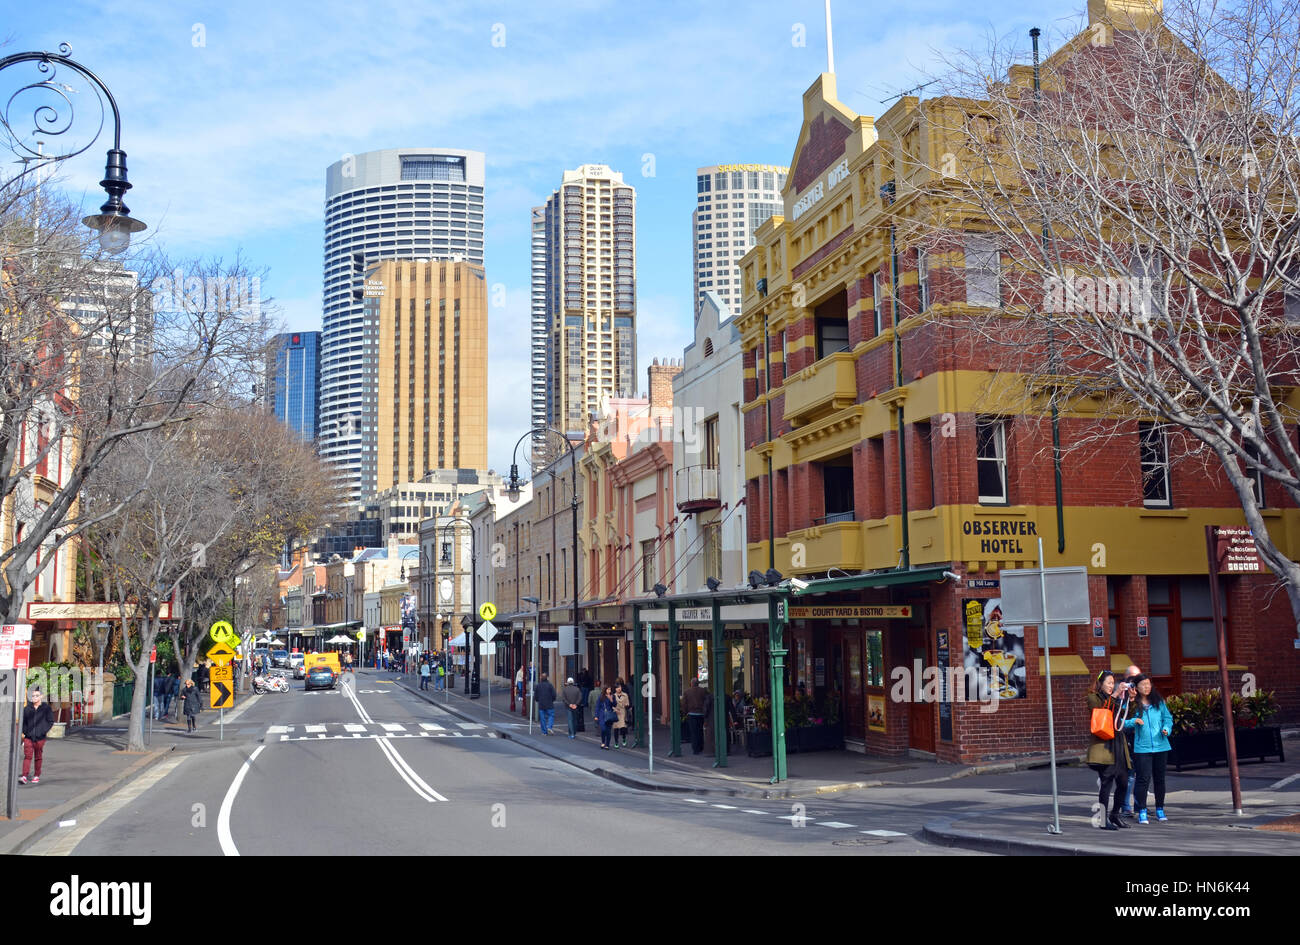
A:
(697, 702)
(191, 704)
(1130, 678)
(593, 696)
(442, 676)
(424, 675)
(571, 696)
(1109, 757)
(622, 715)
(204, 676)
(1153, 723)
(173, 690)
(605, 715)
(347, 662)
(519, 683)
(544, 697)
(585, 684)
(37, 722)
(160, 685)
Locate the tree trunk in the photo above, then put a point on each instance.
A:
(135, 728)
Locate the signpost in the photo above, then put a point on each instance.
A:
(153, 681)
(487, 631)
(15, 643)
(1230, 550)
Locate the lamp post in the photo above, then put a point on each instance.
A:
(531, 676)
(471, 655)
(405, 594)
(114, 222)
(512, 493)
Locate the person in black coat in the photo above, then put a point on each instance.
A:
(37, 722)
(190, 705)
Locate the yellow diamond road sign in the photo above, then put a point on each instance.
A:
(488, 610)
(221, 654)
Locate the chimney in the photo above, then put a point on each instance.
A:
(661, 377)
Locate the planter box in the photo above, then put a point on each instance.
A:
(1211, 748)
(805, 738)
(57, 730)
(758, 743)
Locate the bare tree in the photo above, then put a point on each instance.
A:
(1135, 218)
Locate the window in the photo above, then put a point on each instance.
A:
(991, 460)
(832, 336)
(922, 281)
(983, 272)
(702, 183)
(1252, 470)
(924, 466)
(837, 484)
(712, 556)
(1153, 452)
(877, 303)
(1291, 295)
(711, 444)
(648, 575)
(1146, 295)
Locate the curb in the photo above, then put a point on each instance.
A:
(28, 834)
(944, 833)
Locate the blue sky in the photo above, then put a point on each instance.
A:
(232, 112)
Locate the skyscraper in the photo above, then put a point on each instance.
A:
(539, 333)
(401, 203)
(294, 381)
(430, 323)
(731, 201)
(590, 294)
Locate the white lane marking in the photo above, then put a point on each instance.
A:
(431, 726)
(279, 729)
(833, 823)
(468, 726)
(694, 800)
(313, 728)
(353, 727)
(723, 806)
(883, 833)
(65, 841)
(1283, 783)
(223, 818)
(762, 812)
(392, 727)
(407, 773)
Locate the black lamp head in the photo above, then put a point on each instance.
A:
(773, 577)
(756, 579)
(713, 583)
(512, 488)
(660, 590)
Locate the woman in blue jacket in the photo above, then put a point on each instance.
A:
(1152, 722)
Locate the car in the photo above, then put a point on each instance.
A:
(297, 662)
(280, 658)
(320, 677)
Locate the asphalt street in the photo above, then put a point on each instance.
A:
(370, 769)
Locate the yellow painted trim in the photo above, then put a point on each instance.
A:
(1212, 668)
(1119, 662)
(1067, 664)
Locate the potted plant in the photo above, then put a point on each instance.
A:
(1198, 737)
(758, 741)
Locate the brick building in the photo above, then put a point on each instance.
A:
(905, 536)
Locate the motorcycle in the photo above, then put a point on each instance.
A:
(270, 683)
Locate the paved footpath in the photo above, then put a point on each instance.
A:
(1015, 819)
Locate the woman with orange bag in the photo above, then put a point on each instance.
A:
(1108, 754)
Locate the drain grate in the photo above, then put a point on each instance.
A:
(860, 842)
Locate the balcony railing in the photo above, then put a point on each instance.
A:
(695, 488)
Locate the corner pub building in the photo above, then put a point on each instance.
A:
(833, 375)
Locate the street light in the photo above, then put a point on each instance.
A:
(471, 671)
(513, 491)
(531, 706)
(114, 222)
(101, 641)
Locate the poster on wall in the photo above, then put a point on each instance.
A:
(876, 712)
(993, 654)
(945, 696)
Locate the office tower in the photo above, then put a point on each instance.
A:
(427, 366)
(401, 203)
(539, 332)
(731, 201)
(294, 381)
(590, 295)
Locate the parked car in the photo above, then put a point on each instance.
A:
(297, 662)
(280, 658)
(320, 677)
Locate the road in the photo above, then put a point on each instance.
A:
(370, 769)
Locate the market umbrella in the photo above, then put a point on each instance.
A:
(457, 641)
(340, 638)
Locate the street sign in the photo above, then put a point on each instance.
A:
(223, 632)
(15, 644)
(1067, 596)
(22, 654)
(1143, 630)
(222, 690)
(221, 654)
(487, 630)
(361, 634)
(488, 649)
(1097, 628)
(488, 611)
(153, 654)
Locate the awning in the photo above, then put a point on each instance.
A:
(859, 582)
(457, 641)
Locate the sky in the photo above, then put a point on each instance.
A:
(232, 112)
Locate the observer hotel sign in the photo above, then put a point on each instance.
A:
(838, 173)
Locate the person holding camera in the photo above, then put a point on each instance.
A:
(1108, 755)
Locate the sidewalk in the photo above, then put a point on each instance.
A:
(1202, 822)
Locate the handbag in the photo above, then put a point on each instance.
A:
(1103, 723)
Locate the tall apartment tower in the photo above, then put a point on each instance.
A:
(590, 290)
(295, 381)
(429, 322)
(401, 203)
(539, 333)
(731, 201)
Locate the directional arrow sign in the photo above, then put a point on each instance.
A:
(487, 630)
(221, 693)
(221, 654)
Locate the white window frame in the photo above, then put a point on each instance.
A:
(922, 281)
(877, 309)
(1158, 464)
(983, 265)
(997, 457)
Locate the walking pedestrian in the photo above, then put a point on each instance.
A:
(1153, 723)
(697, 703)
(1109, 757)
(173, 690)
(593, 696)
(571, 696)
(424, 675)
(204, 676)
(605, 715)
(160, 686)
(442, 676)
(1130, 679)
(37, 722)
(519, 683)
(544, 696)
(191, 704)
(622, 713)
(347, 662)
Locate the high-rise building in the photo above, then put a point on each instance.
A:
(294, 381)
(590, 295)
(426, 326)
(539, 333)
(401, 203)
(731, 201)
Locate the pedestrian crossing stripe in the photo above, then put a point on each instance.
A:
(330, 730)
(321, 736)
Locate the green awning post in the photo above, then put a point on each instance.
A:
(776, 611)
(719, 690)
(638, 685)
(674, 684)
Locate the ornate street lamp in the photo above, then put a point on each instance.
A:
(114, 222)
